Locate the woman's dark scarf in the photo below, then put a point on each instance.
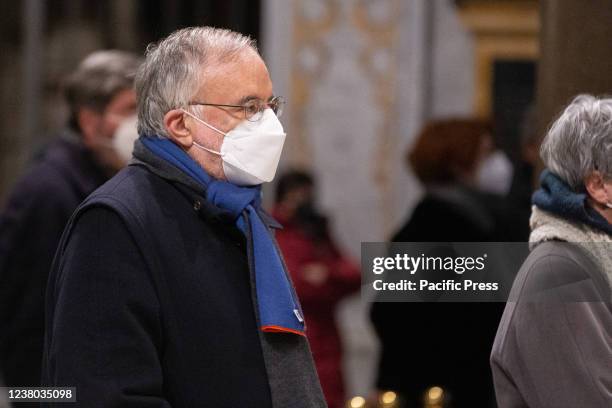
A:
(556, 197)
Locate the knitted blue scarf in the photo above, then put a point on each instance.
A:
(557, 197)
(279, 309)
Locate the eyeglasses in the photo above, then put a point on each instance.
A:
(253, 109)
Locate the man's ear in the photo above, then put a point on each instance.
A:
(88, 121)
(594, 184)
(178, 131)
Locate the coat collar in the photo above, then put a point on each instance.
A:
(192, 190)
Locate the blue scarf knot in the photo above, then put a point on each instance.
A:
(279, 309)
(557, 197)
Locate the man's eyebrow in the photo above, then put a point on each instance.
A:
(247, 99)
(251, 98)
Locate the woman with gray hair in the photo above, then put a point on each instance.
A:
(554, 344)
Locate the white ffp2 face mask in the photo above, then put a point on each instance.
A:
(251, 151)
(125, 136)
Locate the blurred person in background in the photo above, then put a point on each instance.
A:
(168, 289)
(322, 275)
(550, 351)
(429, 344)
(100, 97)
(456, 161)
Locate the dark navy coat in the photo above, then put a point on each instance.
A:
(149, 302)
(31, 225)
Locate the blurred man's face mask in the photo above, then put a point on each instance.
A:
(125, 136)
(115, 151)
(251, 151)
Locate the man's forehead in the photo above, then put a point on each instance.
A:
(241, 80)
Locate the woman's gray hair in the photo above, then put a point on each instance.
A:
(580, 141)
(175, 68)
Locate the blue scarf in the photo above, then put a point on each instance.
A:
(279, 309)
(556, 197)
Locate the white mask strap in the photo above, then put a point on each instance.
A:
(204, 123)
(207, 149)
(209, 126)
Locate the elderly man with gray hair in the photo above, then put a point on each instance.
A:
(168, 289)
(554, 344)
(99, 95)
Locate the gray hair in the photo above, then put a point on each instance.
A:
(97, 79)
(173, 71)
(580, 141)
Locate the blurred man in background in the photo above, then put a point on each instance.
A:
(86, 154)
(322, 275)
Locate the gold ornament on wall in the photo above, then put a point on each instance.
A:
(378, 21)
(502, 30)
(312, 22)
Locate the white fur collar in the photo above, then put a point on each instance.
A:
(546, 226)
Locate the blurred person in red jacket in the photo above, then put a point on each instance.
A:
(322, 275)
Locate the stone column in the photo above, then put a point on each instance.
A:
(575, 54)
